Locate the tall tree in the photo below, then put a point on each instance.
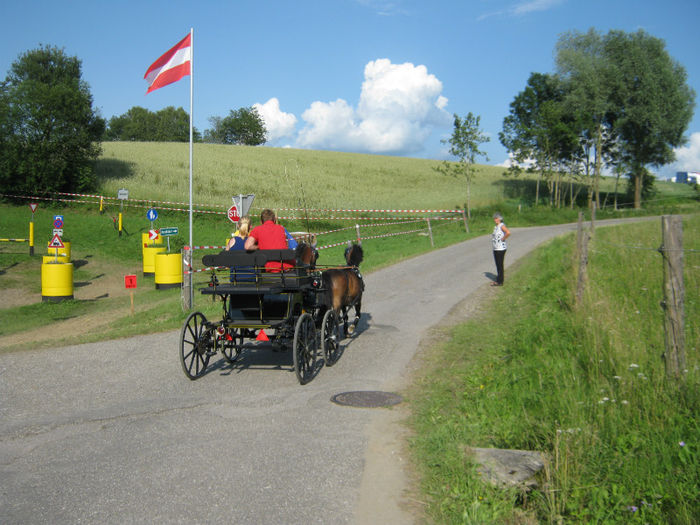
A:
(539, 130)
(49, 131)
(652, 101)
(243, 126)
(583, 64)
(464, 144)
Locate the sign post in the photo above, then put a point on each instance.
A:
(122, 195)
(33, 206)
(130, 284)
(167, 233)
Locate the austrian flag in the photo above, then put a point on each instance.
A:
(172, 66)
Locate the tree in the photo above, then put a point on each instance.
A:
(583, 65)
(539, 130)
(139, 124)
(243, 126)
(652, 102)
(464, 144)
(49, 131)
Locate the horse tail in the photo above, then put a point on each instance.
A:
(354, 255)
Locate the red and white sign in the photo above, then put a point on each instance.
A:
(33, 206)
(130, 281)
(56, 242)
(233, 214)
(152, 235)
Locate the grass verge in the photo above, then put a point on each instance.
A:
(585, 385)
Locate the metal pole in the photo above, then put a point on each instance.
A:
(191, 296)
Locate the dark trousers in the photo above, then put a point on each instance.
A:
(498, 256)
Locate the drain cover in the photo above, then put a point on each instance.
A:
(367, 399)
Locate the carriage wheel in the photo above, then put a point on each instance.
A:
(330, 337)
(196, 342)
(305, 348)
(232, 349)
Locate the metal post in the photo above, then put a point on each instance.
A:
(430, 232)
(187, 296)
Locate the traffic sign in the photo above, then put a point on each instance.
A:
(58, 231)
(152, 235)
(130, 281)
(123, 194)
(166, 232)
(56, 242)
(152, 214)
(233, 214)
(58, 221)
(33, 206)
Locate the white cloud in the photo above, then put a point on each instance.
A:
(278, 123)
(400, 105)
(688, 157)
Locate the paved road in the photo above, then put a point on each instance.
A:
(113, 432)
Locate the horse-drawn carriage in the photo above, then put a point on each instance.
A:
(294, 309)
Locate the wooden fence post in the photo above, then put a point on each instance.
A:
(466, 224)
(674, 295)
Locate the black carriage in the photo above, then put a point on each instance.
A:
(289, 306)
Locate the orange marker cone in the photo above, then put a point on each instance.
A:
(262, 336)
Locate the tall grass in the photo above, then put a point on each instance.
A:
(585, 386)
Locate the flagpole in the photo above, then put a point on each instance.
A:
(191, 136)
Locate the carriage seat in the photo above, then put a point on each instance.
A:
(261, 280)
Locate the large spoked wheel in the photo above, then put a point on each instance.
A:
(305, 348)
(196, 342)
(231, 348)
(330, 337)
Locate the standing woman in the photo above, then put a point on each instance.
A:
(498, 239)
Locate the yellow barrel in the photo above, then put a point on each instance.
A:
(149, 258)
(168, 271)
(56, 281)
(61, 251)
(146, 241)
(50, 259)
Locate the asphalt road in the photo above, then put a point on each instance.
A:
(114, 432)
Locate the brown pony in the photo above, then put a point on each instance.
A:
(344, 287)
(306, 252)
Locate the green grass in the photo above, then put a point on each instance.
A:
(585, 386)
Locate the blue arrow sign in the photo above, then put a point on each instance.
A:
(152, 215)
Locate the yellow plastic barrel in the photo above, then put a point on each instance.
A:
(56, 281)
(149, 258)
(146, 241)
(61, 251)
(168, 271)
(53, 259)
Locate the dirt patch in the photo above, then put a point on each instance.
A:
(93, 280)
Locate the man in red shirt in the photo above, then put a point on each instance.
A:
(269, 236)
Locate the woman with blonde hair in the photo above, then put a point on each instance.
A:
(237, 242)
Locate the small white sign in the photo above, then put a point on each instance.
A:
(58, 231)
(123, 194)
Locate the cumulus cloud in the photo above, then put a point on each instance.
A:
(279, 124)
(688, 157)
(399, 106)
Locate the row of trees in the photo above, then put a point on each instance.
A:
(243, 126)
(616, 100)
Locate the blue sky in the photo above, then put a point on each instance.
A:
(370, 76)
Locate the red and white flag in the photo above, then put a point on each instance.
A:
(172, 66)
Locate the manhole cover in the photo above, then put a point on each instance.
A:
(367, 399)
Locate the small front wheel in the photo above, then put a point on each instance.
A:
(231, 344)
(196, 342)
(330, 337)
(305, 348)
